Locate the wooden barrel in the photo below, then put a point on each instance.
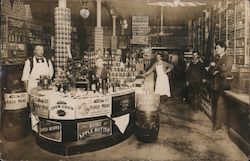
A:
(147, 126)
(16, 121)
(147, 121)
(16, 124)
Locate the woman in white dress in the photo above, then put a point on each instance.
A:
(162, 86)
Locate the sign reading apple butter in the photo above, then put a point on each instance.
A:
(50, 130)
(93, 130)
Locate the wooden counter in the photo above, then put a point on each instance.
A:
(239, 119)
(67, 125)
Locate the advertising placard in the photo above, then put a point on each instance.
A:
(50, 130)
(40, 106)
(139, 40)
(93, 130)
(15, 101)
(123, 103)
(94, 107)
(62, 110)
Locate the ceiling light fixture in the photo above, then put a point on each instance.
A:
(84, 12)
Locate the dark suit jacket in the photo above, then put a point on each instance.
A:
(224, 66)
(195, 74)
(103, 74)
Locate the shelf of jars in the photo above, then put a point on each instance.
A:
(18, 33)
(241, 51)
(242, 33)
(231, 29)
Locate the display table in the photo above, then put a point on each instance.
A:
(239, 119)
(67, 124)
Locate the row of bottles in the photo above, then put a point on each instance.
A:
(102, 86)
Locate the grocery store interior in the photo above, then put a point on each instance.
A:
(134, 80)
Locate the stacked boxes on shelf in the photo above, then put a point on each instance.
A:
(122, 72)
(90, 57)
(20, 33)
(242, 32)
(231, 28)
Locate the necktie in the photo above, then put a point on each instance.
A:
(39, 60)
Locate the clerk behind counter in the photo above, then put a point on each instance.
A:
(35, 67)
(99, 71)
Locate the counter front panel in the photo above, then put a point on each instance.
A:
(88, 122)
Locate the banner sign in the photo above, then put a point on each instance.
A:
(94, 107)
(50, 130)
(15, 101)
(93, 130)
(123, 103)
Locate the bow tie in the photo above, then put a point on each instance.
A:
(39, 60)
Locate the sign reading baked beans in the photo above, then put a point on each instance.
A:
(50, 130)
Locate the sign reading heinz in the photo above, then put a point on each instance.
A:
(94, 130)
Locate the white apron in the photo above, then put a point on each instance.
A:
(39, 69)
(162, 86)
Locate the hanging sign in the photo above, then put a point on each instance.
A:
(139, 40)
(50, 130)
(15, 101)
(140, 30)
(93, 130)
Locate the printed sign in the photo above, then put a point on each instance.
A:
(140, 25)
(62, 110)
(139, 40)
(94, 130)
(50, 130)
(123, 103)
(15, 101)
(94, 107)
(40, 106)
(140, 30)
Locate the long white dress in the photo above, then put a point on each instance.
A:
(162, 86)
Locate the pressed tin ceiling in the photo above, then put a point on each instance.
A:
(125, 9)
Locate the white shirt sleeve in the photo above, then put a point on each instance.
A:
(51, 69)
(26, 71)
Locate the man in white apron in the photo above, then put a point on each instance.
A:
(41, 67)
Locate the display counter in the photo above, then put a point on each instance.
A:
(239, 119)
(72, 123)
